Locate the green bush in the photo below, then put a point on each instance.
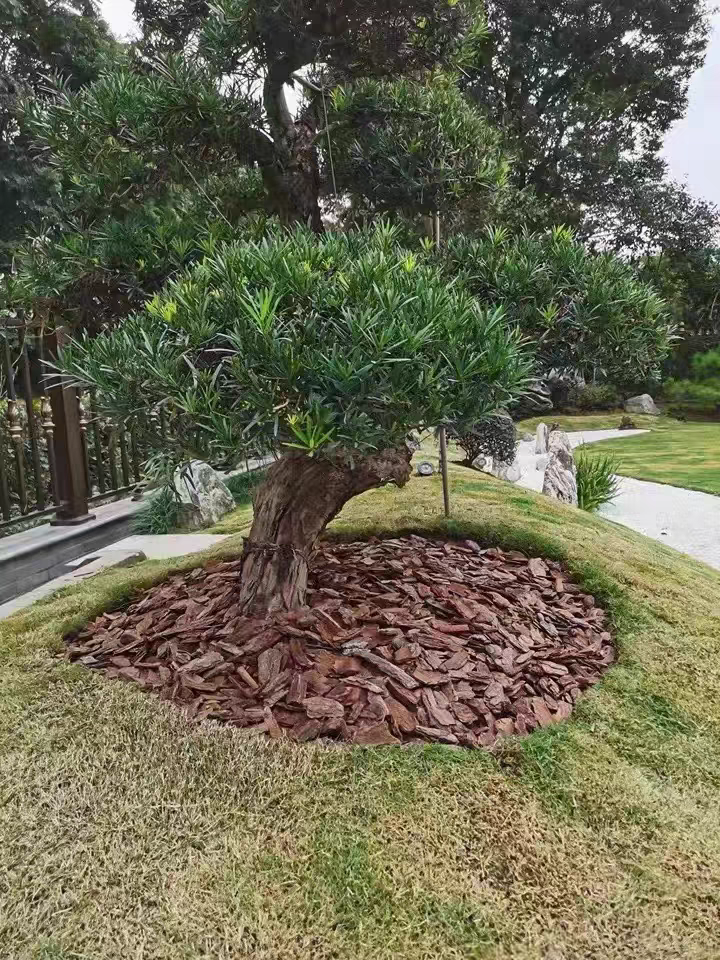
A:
(690, 396)
(595, 396)
(706, 366)
(243, 485)
(596, 480)
(160, 515)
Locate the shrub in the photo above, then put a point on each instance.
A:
(243, 485)
(706, 366)
(595, 396)
(690, 396)
(494, 437)
(596, 480)
(160, 515)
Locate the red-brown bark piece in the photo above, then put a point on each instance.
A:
(403, 640)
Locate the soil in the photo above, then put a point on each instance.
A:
(403, 640)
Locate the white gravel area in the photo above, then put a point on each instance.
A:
(687, 520)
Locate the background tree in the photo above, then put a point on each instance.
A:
(584, 92)
(155, 146)
(37, 38)
(326, 351)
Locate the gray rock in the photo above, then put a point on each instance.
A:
(560, 481)
(537, 400)
(527, 437)
(412, 442)
(643, 403)
(506, 470)
(541, 438)
(425, 469)
(542, 462)
(480, 463)
(204, 498)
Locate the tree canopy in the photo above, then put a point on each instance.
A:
(327, 351)
(584, 313)
(38, 38)
(584, 92)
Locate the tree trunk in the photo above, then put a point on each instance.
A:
(292, 179)
(297, 500)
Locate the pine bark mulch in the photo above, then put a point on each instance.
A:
(403, 640)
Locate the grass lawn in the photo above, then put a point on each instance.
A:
(127, 833)
(681, 454)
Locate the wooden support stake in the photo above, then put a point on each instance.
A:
(444, 470)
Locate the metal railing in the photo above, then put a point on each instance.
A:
(57, 454)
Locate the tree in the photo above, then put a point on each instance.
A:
(327, 351)
(584, 313)
(37, 38)
(585, 91)
(153, 146)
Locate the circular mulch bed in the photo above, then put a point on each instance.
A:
(408, 639)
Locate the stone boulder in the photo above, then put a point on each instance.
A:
(509, 470)
(541, 438)
(560, 481)
(542, 461)
(425, 469)
(204, 498)
(643, 403)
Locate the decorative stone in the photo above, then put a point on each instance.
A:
(412, 442)
(560, 481)
(542, 462)
(506, 470)
(643, 403)
(541, 438)
(527, 437)
(479, 463)
(205, 497)
(425, 469)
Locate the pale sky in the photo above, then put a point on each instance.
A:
(692, 147)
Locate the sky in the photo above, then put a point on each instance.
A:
(692, 146)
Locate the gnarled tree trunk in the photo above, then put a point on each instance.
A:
(297, 500)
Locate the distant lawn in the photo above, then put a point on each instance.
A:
(681, 454)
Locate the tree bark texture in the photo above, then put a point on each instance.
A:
(292, 178)
(297, 500)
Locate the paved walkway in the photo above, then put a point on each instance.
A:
(687, 520)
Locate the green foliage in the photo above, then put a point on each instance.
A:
(160, 515)
(243, 485)
(413, 147)
(699, 395)
(706, 366)
(584, 312)
(596, 480)
(689, 281)
(594, 396)
(585, 93)
(493, 437)
(38, 38)
(343, 341)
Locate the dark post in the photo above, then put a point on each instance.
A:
(444, 470)
(72, 491)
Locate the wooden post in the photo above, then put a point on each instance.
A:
(444, 470)
(72, 491)
(434, 231)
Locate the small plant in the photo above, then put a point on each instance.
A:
(243, 485)
(597, 482)
(160, 515)
(627, 423)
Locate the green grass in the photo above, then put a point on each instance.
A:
(125, 832)
(674, 452)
